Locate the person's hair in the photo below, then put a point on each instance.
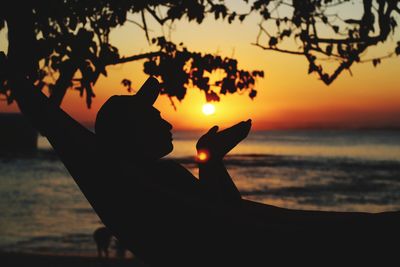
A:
(115, 117)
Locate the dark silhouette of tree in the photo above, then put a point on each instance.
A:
(70, 47)
(338, 31)
(73, 48)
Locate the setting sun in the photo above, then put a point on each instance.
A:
(208, 109)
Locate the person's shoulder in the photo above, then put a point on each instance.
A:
(169, 166)
(167, 162)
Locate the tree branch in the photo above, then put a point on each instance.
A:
(279, 50)
(146, 31)
(153, 13)
(136, 23)
(135, 57)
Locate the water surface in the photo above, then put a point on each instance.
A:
(42, 209)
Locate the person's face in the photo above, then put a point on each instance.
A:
(153, 134)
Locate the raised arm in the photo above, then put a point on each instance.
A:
(217, 181)
(212, 147)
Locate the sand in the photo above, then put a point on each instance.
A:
(11, 259)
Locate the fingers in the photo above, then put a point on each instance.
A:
(149, 90)
(213, 130)
(151, 82)
(247, 127)
(205, 138)
(248, 123)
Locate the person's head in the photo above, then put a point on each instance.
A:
(132, 128)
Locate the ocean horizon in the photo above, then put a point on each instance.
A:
(42, 209)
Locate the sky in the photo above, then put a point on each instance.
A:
(287, 97)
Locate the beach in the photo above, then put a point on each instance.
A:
(44, 212)
(11, 259)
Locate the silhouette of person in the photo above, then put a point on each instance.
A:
(102, 236)
(149, 136)
(124, 156)
(179, 219)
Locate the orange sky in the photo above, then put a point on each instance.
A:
(287, 96)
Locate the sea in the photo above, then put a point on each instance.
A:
(43, 211)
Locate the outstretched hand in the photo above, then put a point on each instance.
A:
(214, 145)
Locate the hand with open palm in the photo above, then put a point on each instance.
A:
(214, 145)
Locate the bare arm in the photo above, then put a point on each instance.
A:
(216, 179)
(214, 146)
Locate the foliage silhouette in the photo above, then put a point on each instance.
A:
(339, 31)
(73, 48)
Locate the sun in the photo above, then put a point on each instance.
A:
(208, 109)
